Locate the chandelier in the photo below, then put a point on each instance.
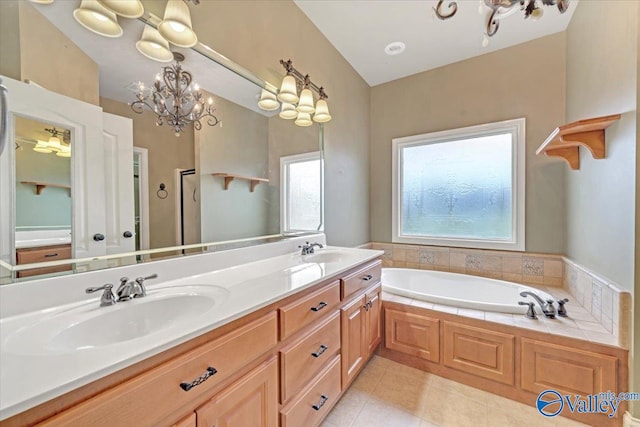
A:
(60, 147)
(502, 8)
(175, 99)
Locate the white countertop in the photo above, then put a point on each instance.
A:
(33, 374)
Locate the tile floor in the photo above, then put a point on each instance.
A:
(388, 394)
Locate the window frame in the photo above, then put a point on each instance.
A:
(517, 128)
(284, 180)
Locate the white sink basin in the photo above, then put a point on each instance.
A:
(325, 256)
(90, 326)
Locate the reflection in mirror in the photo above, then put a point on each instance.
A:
(42, 194)
(211, 189)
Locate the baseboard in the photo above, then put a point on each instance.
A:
(630, 421)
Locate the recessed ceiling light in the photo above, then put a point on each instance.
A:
(394, 48)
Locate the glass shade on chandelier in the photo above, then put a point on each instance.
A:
(126, 8)
(306, 102)
(98, 19)
(53, 145)
(176, 25)
(154, 46)
(268, 101)
(288, 91)
(288, 111)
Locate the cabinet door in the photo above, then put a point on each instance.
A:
(354, 345)
(250, 401)
(188, 421)
(373, 321)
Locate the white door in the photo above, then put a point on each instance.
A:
(87, 165)
(119, 193)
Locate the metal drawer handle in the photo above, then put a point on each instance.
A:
(319, 306)
(322, 349)
(202, 378)
(323, 400)
(51, 255)
(367, 277)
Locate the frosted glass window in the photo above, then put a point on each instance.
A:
(302, 192)
(461, 188)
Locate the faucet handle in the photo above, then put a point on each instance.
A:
(562, 310)
(141, 290)
(531, 312)
(108, 298)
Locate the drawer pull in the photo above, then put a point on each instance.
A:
(319, 306)
(51, 255)
(321, 350)
(202, 378)
(323, 400)
(367, 277)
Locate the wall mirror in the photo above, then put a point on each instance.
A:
(114, 193)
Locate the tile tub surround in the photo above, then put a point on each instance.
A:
(606, 309)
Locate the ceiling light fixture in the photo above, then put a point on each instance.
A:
(176, 99)
(41, 1)
(395, 48)
(55, 144)
(502, 8)
(96, 18)
(154, 46)
(298, 107)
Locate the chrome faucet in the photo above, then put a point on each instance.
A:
(134, 289)
(108, 298)
(309, 248)
(140, 289)
(547, 307)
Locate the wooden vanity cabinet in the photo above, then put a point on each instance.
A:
(361, 332)
(43, 254)
(286, 364)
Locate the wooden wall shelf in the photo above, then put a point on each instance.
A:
(42, 185)
(229, 177)
(564, 141)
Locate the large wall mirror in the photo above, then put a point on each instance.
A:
(93, 187)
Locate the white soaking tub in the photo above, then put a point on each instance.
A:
(459, 290)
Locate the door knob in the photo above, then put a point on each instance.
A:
(98, 237)
(127, 234)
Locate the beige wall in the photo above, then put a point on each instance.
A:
(10, 39)
(522, 81)
(601, 80)
(166, 153)
(257, 34)
(239, 147)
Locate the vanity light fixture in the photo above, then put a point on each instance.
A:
(268, 101)
(41, 1)
(154, 46)
(176, 25)
(54, 144)
(499, 9)
(126, 8)
(176, 99)
(96, 18)
(300, 107)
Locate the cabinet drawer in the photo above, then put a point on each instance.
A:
(310, 408)
(480, 352)
(567, 370)
(412, 334)
(157, 393)
(44, 254)
(361, 279)
(298, 314)
(304, 358)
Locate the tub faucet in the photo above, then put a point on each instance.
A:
(309, 248)
(547, 307)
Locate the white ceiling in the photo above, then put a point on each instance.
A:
(360, 30)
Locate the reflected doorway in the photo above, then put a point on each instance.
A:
(141, 197)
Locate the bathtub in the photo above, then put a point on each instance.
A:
(459, 290)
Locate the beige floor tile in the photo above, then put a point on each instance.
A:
(370, 376)
(348, 408)
(408, 393)
(328, 424)
(381, 414)
(448, 410)
(566, 422)
(426, 423)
